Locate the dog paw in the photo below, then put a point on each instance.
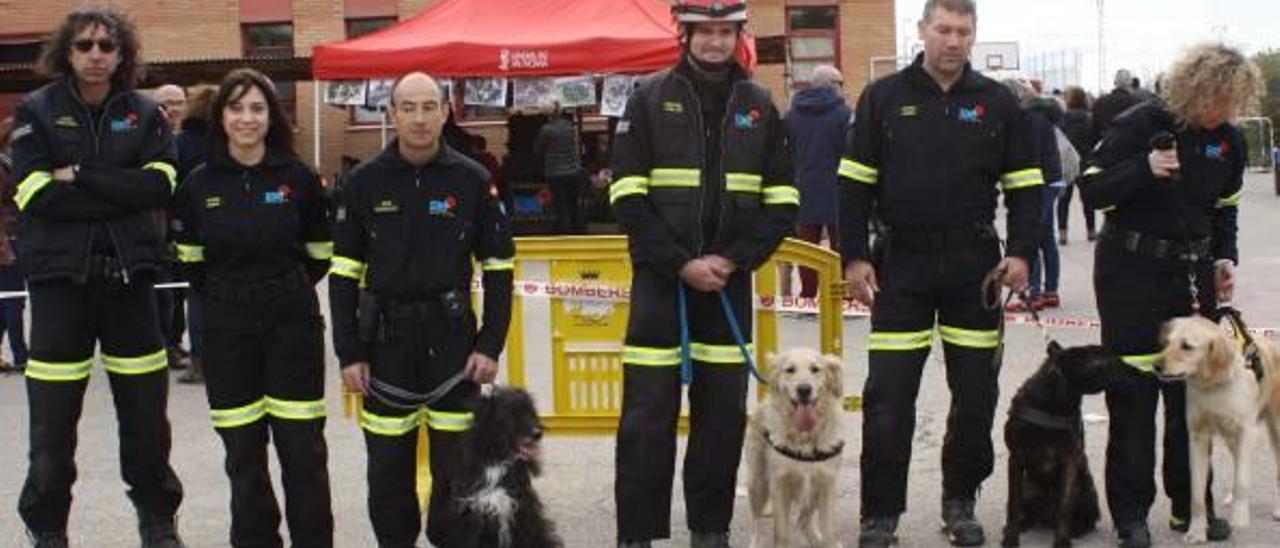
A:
(1010, 541)
(1195, 536)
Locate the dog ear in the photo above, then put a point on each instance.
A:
(1221, 358)
(834, 370)
(1053, 349)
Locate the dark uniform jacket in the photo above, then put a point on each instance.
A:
(1201, 204)
(125, 154)
(244, 224)
(660, 188)
(410, 233)
(930, 160)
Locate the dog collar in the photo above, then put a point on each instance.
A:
(816, 456)
(1046, 419)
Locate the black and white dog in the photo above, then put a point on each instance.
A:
(493, 504)
(1050, 485)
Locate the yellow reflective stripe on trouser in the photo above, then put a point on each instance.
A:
(781, 194)
(239, 416)
(1022, 179)
(59, 371)
(859, 172)
(320, 251)
(656, 357)
(390, 426)
(190, 253)
(347, 268)
(628, 186)
(140, 365)
(743, 182)
(675, 177)
(27, 189)
(449, 421)
(900, 340)
(298, 410)
(1141, 362)
(497, 263)
(170, 173)
(970, 338)
(1093, 170)
(725, 354)
(1230, 201)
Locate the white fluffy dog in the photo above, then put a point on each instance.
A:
(793, 450)
(1226, 398)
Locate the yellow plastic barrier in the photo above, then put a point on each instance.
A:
(587, 333)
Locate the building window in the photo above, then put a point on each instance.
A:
(273, 41)
(813, 39)
(365, 25)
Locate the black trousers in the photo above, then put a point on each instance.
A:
(1136, 295)
(415, 354)
(566, 202)
(939, 281)
(646, 450)
(264, 369)
(1064, 209)
(67, 319)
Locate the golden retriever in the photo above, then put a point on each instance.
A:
(793, 450)
(1224, 397)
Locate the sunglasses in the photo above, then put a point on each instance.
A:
(85, 45)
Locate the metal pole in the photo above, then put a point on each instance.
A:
(315, 121)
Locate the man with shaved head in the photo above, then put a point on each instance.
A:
(411, 222)
(173, 99)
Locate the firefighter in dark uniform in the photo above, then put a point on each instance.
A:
(412, 220)
(252, 233)
(1168, 176)
(702, 187)
(933, 146)
(95, 160)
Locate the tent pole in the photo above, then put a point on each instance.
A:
(315, 121)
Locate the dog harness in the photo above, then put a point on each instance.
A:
(1046, 419)
(1249, 347)
(816, 456)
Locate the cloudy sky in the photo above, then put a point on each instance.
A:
(1141, 35)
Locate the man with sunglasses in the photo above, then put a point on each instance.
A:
(94, 159)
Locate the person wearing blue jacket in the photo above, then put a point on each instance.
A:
(819, 120)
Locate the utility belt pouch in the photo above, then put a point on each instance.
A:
(453, 304)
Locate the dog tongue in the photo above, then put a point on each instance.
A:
(804, 418)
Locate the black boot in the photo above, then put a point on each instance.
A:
(1218, 531)
(878, 533)
(159, 533)
(960, 525)
(195, 374)
(48, 540)
(709, 540)
(1135, 535)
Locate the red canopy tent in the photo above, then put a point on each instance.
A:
(497, 38)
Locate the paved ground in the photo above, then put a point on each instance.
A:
(577, 485)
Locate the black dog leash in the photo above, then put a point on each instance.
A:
(991, 292)
(388, 393)
(1252, 354)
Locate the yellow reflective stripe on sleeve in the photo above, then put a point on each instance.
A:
(140, 365)
(1106, 209)
(320, 251)
(900, 340)
(675, 177)
(969, 338)
(649, 356)
(781, 195)
(190, 253)
(347, 268)
(859, 172)
(239, 416)
(724, 354)
(1093, 170)
(495, 263)
(1022, 179)
(27, 189)
(1230, 201)
(59, 371)
(390, 426)
(295, 409)
(168, 170)
(1141, 362)
(743, 182)
(449, 421)
(628, 186)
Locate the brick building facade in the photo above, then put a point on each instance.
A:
(849, 32)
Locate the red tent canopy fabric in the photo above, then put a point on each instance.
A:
(497, 38)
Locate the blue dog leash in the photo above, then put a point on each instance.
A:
(686, 361)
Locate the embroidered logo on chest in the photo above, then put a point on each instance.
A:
(212, 202)
(386, 206)
(128, 123)
(746, 119)
(281, 195)
(974, 114)
(66, 121)
(1217, 151)
(908, 111)
(443, 207)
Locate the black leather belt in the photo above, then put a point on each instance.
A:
(1150, 246)
(257, 291)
